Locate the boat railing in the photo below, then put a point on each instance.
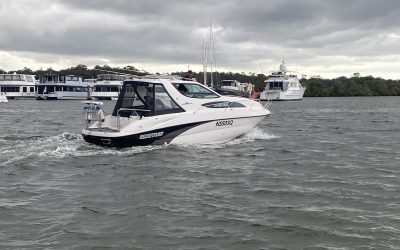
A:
(163, 76)
(268, 103)
(93, 113)
(92, 116)
(129, 109)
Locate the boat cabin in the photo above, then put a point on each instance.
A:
(60, 83)
(144, 98)
(17, 85)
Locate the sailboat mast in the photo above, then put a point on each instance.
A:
(205, 62)
(209, 54)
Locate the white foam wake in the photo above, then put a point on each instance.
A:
(251, 136)
(69, 144)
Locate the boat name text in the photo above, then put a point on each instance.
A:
(224, 123)
(151, 135)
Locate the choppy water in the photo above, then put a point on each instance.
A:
(322, 173)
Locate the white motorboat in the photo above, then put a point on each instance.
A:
(155, 111)
(59, 87)
(17, 86)
(107, 86)
(282, 86)
(3, 97)
(234, 88)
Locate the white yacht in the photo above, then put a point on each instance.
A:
(154, 111)
(59, 87)
(17, 86)
(282, 85)
(107, 86)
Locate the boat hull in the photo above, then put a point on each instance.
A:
(204, 132)
(291, 95)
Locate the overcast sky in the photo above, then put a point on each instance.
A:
(329, 38)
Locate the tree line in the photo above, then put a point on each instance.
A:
(353, 86)
(316, 86)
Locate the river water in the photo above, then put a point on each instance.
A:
(321, 173)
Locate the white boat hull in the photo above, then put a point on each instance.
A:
(65, 95)
(204, 132)
(104, 95)
(278, 95)
(210, 133)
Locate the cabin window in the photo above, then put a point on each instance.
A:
(144, 99)
(29, 78)
(40, 89)
(163, 103)
(1, 78)
(227, 83)
(32, 89)
(7, 77)
(194, 90)
(275, 85)
(10, 89)
(224, 104)
(24, 89)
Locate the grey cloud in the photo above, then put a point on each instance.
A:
(172, 32)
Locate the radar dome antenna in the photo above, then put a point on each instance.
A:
(283, 67)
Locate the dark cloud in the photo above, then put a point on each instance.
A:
(172, 32)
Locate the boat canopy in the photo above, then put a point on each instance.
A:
(144, 99)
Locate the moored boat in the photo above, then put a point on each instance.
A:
(107, 86)
(60, 87)
(234, 88)
(282, 86)
(17, 86)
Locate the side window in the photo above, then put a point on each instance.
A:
(29, 78)
(224, 104)
(193, 90)
(163, 103)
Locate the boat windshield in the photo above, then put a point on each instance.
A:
(194, 90)
(227, 83)
(144, 99)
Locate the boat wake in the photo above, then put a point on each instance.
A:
(69, 144)
(59, 146)
(253, 135)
